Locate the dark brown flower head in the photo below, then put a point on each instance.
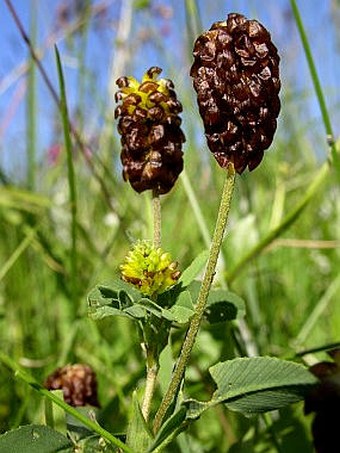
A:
(150, 131)
(78, 383)
(236, 77)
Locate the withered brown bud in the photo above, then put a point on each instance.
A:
(150, 131)
(78, 383)
(236, 77)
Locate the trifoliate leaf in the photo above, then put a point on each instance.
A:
(254, 385)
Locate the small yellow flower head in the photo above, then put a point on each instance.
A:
(150, 269)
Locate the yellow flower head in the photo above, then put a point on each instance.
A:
(148, 93)
(150, 269)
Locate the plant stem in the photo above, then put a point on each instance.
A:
(157, 219)
(192, 331)
(152, 365)
(151, 377)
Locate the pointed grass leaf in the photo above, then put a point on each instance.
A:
(223, 306)
(191, 272)
(35, 439)
(255, 385)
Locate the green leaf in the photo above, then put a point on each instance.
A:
(151, 306)
(138, 435)
(191, 272)
(183, 309)
(172, 425)
(55, 415)
(135, 311)
(35, 439)
(116, 285)
(116, 298)
(166, 365)
(194, 289)
(223, 306)
(76, 428)
(98, 313)
(255, 385)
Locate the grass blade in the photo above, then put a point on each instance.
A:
(71, 177)
(31, 110)
(317, 85)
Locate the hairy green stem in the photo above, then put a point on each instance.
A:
(192, 331)
(157, 219)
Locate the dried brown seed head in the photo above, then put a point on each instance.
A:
(78, 383)
(236, 77)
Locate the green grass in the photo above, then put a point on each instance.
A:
(68, 226)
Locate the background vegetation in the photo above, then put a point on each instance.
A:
(60, 235)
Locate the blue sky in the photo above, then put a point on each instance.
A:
(163, 30)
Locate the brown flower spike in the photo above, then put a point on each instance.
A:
(150, 131)
(236, 77)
